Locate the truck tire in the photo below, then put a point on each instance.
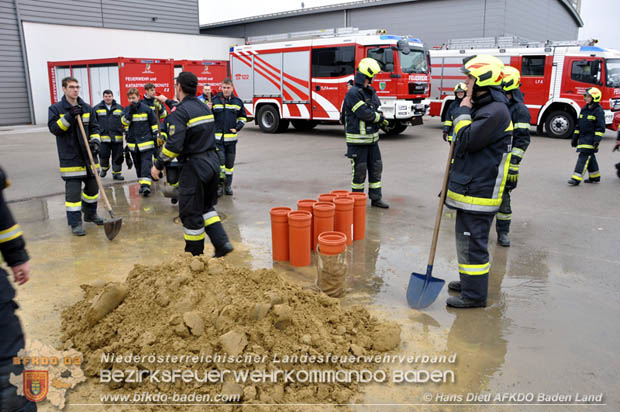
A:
(560, 125)
(303, 125)
(268, 119)
(395, 127)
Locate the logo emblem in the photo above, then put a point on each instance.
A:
(171, 129)
(147, 68)
(382, 85)
(36, 385)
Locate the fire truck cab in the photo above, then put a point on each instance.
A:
(554, 76)
(304, 81)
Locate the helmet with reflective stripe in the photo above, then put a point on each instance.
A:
(594, 93)
(460, 87)
(369, 67)
(512, 78)
(485, 68)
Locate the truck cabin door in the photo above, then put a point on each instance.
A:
(386, 82)
(580, 74)
(332, 68)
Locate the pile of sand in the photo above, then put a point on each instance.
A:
(195, 305)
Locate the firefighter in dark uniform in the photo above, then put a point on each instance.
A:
(230, 118)
(191, 138)
(75, 166)
(172, 169)
(142, 133)
(520, 117)
(13, 250)
(109, 118)
(615, 149)
(153, 103)
(588, 133)
(459, 94)
(362, 121)
(483, 133)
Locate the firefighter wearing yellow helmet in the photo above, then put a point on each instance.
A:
(520, 116)
(362, 120)
(588, 133)
(480, 164)
(459, 92)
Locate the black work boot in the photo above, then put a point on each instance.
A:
(618, 169)
(379, 203)
(503, 239)
(141, 190)
(228, 191)
(454, 286)
(93, 218)
(220, 191)
(593, 180)
(573, 182)
(223, 250)
(103, 173)
(78, 230)
(146, 191)
(464, 303)
(118, 177)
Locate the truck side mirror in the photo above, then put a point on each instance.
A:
(403, 46)
(388, 57)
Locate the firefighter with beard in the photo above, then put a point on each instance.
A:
(362, 120)
(480, 164)
(520, 116)
(459, 93)
(191, 138)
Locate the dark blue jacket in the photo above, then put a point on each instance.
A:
(229, 114)
(110, 122)
(590, 127)
(361, 113)
(141, 125)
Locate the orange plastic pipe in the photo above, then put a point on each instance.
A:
(279, 233)
(299, 240)
(343, 219)
(306, 204)
(340, 193)
(332, 243)
(359, 215)
(327, 197)
(323, 213)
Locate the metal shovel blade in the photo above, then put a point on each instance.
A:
(112, 227)
(423, 289)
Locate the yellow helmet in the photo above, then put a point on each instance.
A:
(460, 87)
(512, 78)
(485, 68)
(369, 67)
(594, 93)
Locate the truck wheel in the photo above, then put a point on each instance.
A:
(395, 127)
(303, 125)
(560, 125)
(268, 119)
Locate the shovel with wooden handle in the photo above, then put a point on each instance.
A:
(113, 225)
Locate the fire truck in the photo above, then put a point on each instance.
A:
(210, 72)
(302, 77)
(554, 76)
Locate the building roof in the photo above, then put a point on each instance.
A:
(344, 6)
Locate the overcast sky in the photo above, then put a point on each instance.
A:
(601, 17)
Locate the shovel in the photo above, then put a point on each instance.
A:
(113, 225)
(423, 289)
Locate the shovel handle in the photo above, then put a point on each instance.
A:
(92, 165)
(442, 198)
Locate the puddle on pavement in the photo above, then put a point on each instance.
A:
(499, 348)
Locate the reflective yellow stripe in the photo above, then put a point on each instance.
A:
(194, 237)
(472, 200)
(154, 127)
(374, 185)
(377, 117)
(11, 233)
(140, 115)
(576, 131)
(73, 169)
(585, 146)
(510, 127)
(146, 144)
(460, 125)
(474, 270)
(242, 119)
(522, 125)
(144, 182)
(200, 120)
(118, 111)
(595, 175)
(212, 220)
(358, 105)
(63, 124)
(599, 133)
(95, 136)
(85, 116)
(233, 106)
(447, 123)
(73, 206)
(517, 152)
(168, 153)
(131, 146)
(217, 106)
(93, 197)
(591, 117)
(124, 121)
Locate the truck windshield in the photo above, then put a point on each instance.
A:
(414, 62)
(613, 72)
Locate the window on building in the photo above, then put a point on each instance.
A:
(533, 66)
(333, 61)
(586, 71)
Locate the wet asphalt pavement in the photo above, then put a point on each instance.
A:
(554, 296)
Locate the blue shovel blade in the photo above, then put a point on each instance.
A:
(423, 290)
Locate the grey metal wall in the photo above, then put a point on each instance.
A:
(172, 16)
(434, 21)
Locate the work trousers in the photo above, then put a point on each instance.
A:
(111, 149)
(198, 182)
(78, 200)
(143, 161)
(504, 215)
(472, 239)
(366, 158)
(586, 161)
(227, 153)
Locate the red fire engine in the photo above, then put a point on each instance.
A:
(554, 76)
(304, 80)
(210, 72)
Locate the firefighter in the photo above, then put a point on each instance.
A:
(75, 167)
(520, 116)
(588, 133)
(142, 134)
(362, 121)
(13, 250)
(205, 97)
(149, 99)
(230, 118)
(459, 94)
(191, 138)
(483, 133)
(615, 149)
(109, 118)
